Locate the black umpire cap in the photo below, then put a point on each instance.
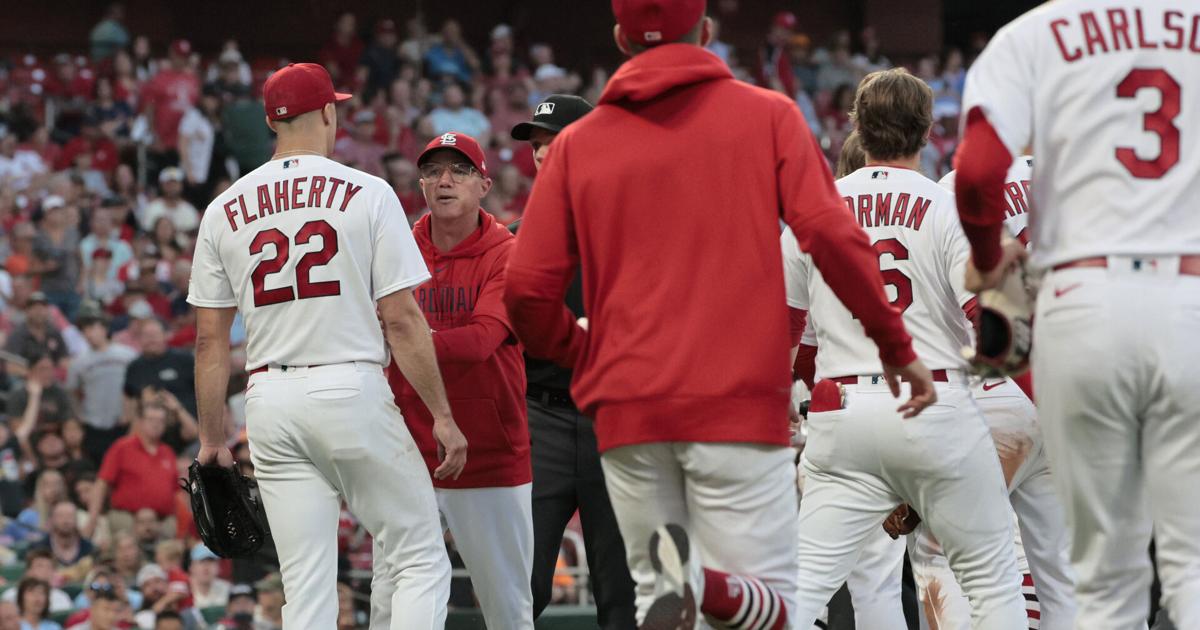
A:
(552, 114)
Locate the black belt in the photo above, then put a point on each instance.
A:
(550, 396)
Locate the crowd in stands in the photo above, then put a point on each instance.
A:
(108, 155)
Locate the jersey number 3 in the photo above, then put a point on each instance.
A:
(1160, 122)
(305, 288)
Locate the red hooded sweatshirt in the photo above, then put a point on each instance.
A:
(669, 195)
(479, 357)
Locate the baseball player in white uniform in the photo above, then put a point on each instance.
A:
(862, 457)
(1012, 419)
(1109, 98)
(305, 248)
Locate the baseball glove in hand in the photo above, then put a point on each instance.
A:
(901, 521)
(1004, 327)
(227, 509)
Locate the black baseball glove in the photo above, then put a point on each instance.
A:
(227, 509)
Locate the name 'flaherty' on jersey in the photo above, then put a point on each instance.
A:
(292, 193)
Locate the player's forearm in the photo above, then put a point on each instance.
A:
(96, 501)
(212, 372)
(472, 343)
(411, 343)
(982, 162)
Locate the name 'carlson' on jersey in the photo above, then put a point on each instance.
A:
(1110, 95)
(913, 224)
(303, 247)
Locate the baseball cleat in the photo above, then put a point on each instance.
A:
(675, 605)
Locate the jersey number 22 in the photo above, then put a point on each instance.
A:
(305, 288)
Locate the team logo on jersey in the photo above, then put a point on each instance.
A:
(280, 111)
(544, 109)
(879, 175)
(291, 163)
(449, 139)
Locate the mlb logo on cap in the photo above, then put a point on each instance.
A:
(544, 109)
(281, 111)
(652, 36)
(449, 139)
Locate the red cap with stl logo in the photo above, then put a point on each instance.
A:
(461, 142)
(651, 22)
(297, 89)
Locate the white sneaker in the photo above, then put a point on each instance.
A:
(679, 581)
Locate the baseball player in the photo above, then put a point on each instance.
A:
(488, 508)
(1012, 420)
(1108, 100)
(861, 457)
(567, 476)
(666, 195)
(306, 249)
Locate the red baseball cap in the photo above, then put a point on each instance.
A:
(651, 22)
(181, 47)
(460, 142)
(785, 19)
(297, 89)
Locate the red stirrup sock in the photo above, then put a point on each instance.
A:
(741, 602)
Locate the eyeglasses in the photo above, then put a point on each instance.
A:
(101, 587)
(459, 172)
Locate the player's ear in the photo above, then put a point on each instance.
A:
(329, 114)
(486, 185)
(622, 43)
(271, 124)
(706, 31)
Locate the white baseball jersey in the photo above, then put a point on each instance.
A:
(913, 224)
(1110, 96)
(1016, 194)
(303, 247)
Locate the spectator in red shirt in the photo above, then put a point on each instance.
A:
(341, 54)
(140, 471)
(169, 94)
(168, 554)
(67, 82)
(402, 175)
(92, 142)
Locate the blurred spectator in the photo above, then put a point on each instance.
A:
(100, 152)
(380, 58)
(140, 470)
(803, 68)
(109, 34)
(19, 168)
(454, 115)
(229, 84)
(167, 96)
(56, 256)
(99, 583)
(105, 612)
(716, 46)
(171, 204)
(168, 620)
(168, 554)
(871, 59)
(127, 558)
(126, 83)
(774, 62)
(198, 154)
(509, 106)
(359, 149)
(343, 51)
(96, 378)
(20, 258)
(836, 67)
(112, 115)
(36, 336)
(40, 403)
(158, 596)
(270, 603)
(32, 524)
(72, 552)
(207, 589)
(248, 140)
(105, 236)
(451, 57)
(161, 368)
(10, 616)
(239, 611)
(70, 88)
(12, 490)
(50, 451)
(33, 597)
(39, 565)
(402, 175)
(508, 196)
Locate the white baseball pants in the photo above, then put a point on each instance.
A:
(321, 434)
(1043, 542)
(862, 461)
(1115, 353)
(737, 501)
(493, 530)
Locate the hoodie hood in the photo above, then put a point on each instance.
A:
(662, 68)
(490, 234)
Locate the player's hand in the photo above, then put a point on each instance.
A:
(920, 381)
(215, 455)
(901, 522)
(452, 449)
(1011, 252)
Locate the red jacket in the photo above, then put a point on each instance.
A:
(479, 357)
(669, 195)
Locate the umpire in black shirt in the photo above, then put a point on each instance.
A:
(566, 465)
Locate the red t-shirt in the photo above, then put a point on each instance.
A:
(138, 478)
(172, 93)
(103, 151)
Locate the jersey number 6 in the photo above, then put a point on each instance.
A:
(1160, 122)
(305, 288)
(894, 277)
